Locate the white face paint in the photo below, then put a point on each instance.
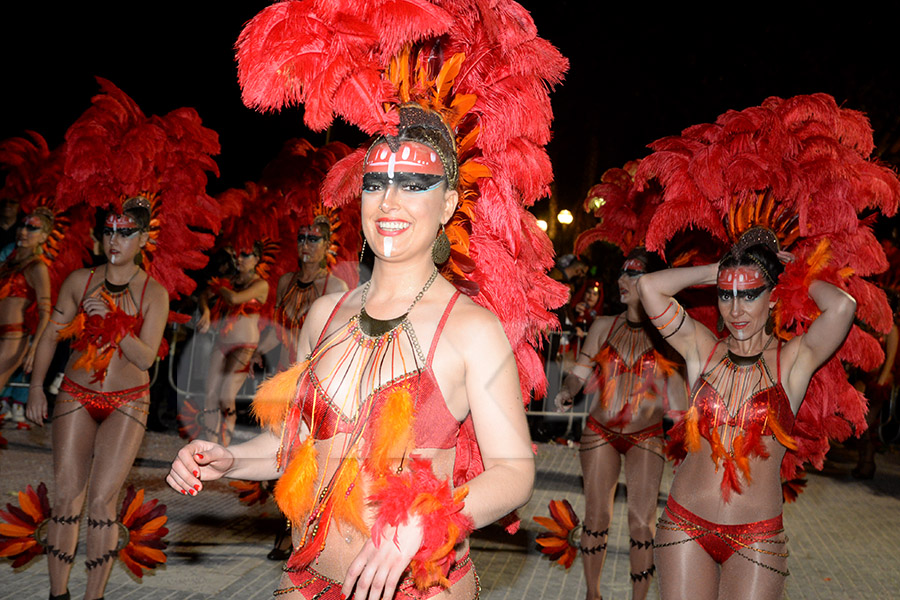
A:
(112, 259)
(388, 246)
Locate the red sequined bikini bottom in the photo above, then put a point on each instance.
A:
(102, 404)
(621, 441)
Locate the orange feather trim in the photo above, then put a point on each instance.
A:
(391, 438)
(718, 448)
(294, 490)
(270, 405)
(691, 430)
(73, 329)
(350, 497)
(741, 457)
(818, 260)
(780, 434)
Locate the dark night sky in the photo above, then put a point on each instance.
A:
(637, 73)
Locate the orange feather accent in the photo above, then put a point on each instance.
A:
(270, 405)
(349, 496)
(780, 434)
(818, 260)
(391, 436)
(74, 328)
(294, 490)
(691, 430)
(718, 448)
(741, 458)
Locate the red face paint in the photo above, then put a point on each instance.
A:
(412, 157)
(740, 278)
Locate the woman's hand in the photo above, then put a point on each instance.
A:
(563, 401)
(36, 409)
(197, 462)
(785, 256)
(377, 569)
(95, 306)
(28, 363)
(203, 322)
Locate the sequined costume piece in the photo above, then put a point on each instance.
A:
(102, 404)
(622, 441)
(224, 315)
(735, 420)
(97, 338)
(723, 541)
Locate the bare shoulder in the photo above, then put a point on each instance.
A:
(77, 280)
(156, 292)
(322, 307)
(475, 326)
(335, 285)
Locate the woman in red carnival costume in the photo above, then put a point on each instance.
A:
(587, 305)
(114, 315)
(43, 254)
(621, 358)
(393, 442)
(233, 307)
(765, 397)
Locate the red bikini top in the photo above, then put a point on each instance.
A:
(434, 426)
(759, 409)
(612, 363)
(14, 285)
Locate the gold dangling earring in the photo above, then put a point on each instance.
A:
(139, 257)
(720, 324)
(440, 250)
(362, 251)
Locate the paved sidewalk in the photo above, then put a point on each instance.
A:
(844, 535)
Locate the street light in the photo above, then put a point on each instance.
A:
(542, 224)
(565, 217)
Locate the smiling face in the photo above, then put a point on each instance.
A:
(743, 300)
(122, 239)
(404, 200)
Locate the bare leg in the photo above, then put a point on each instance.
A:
(116, 446)
(211, 425)
(685, 569)
(643, 472)
(742, 579)
(235, 374)
(72, 437)
(600, 465)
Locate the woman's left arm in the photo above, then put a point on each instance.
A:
(38, 277)
(142, 350)
(258, 290)
(824, 337)
(890, 355)
(495, 402)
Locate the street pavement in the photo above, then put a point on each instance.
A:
(844, 534)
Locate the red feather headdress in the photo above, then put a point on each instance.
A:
(800, 167)
(482, 67)
(33, 172)
(114, 152)
(623, 211)
(297, 174)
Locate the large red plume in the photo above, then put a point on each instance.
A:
(114, 152)
(800, 167)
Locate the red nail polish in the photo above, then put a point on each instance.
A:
(200, 456)
(196, 474)
(197, 487)
(193, 493)
(183, 492)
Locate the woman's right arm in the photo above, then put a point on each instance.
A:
(65, 310)
(202, 461)
(657, 292)
(574, 381)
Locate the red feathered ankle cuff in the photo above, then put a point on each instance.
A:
(439, 507)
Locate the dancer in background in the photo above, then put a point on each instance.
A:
(623, 359)
(114, 315)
